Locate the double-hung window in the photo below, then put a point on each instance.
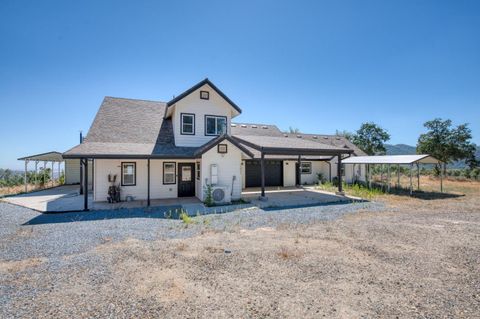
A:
(306, 167)
(169, 176)
(215, 125)
(128, 174)
(187, 125)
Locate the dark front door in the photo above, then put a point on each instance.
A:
(186, 179)
(273, 173)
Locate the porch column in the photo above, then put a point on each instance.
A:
(299, 170)
(339, 175)
(25, 176)
(81, 176)
(85, 185)
(148, 182)
(262, 168)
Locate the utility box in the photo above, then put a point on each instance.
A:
(214, 174)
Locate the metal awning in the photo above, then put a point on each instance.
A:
(392, 159)
(53, 156)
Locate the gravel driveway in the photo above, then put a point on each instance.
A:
(411, 259)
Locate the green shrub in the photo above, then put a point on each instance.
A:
(208, 196)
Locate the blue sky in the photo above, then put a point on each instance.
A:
(315, 65)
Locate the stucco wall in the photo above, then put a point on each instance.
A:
(192, 103)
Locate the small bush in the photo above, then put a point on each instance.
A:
(208, 196)
(185, 218)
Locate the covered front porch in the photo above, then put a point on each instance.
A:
(68, 199)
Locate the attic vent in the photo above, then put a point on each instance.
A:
(315, 137)
(264, 127)
(234, 125)
(286, 135)
(325, 137)
(254, 126)
(338, 138)
(243, 125)
(299, 136)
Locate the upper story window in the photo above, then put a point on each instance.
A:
(187, 124)
(204, 95)
(215, 125)
(128, 174)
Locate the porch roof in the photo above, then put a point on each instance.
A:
(53, 156)
(290, 146)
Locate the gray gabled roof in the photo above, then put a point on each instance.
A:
(335, 140)
(255, 129)
(131, 128)
(121, 120)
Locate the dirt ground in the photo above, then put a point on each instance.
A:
(417, 258)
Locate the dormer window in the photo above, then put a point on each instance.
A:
(187, 125)
(204, 95)
(215, 125)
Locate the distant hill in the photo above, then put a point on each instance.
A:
(400, 149)
(403, 149)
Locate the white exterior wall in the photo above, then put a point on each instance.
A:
(289, 173)
(349, 177)
(157, 189)
(192, 103)
(72, 171)
(229, 165)
(317, 167)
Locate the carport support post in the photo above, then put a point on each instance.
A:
(398, 175)
(44, 174)
(418, 176)
(52, 171)
(59, 172)
(25, 176)
(85, 185)
(411, 183)
(388, 178)
(441, 178)
(148, 182)
(262, 168)
(339, 175)
(36, 173)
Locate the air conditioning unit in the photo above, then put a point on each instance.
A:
(221, 194)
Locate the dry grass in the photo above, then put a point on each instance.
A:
(19, 189)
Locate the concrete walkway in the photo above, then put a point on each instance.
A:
(67, 198)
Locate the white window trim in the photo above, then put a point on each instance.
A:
(174, 173)
(134, 182)
(216, 117)
(181, 124)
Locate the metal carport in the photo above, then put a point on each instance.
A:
(54, 157)
(397, 160)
